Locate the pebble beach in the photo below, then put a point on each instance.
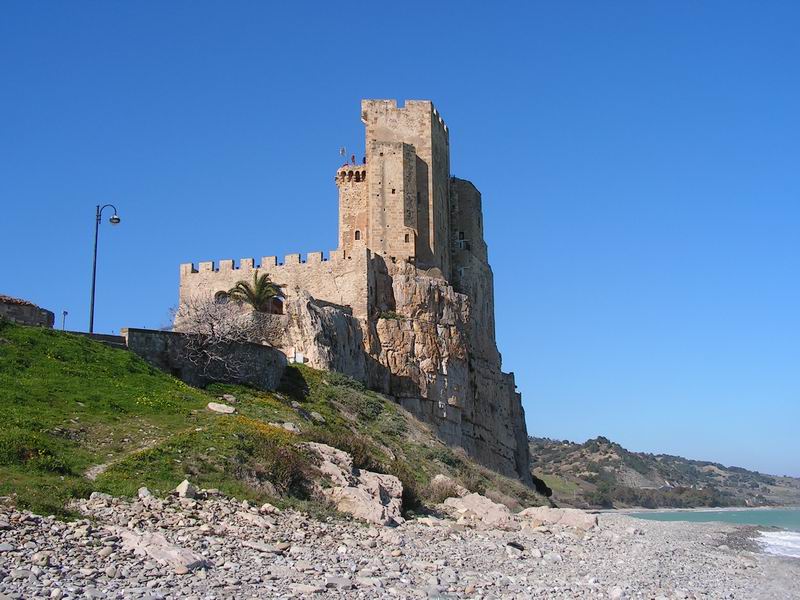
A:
(217, 547)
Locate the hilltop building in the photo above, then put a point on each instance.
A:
(406, 302)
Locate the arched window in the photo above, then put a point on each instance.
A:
(221, 298)
(358, 234)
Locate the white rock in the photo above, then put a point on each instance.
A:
(374, 497)
(158, 548)
(553, 557)
(143, 492)
(480, 510)
(566, 517)
(186, 489)
(221, 408)
(268, 509)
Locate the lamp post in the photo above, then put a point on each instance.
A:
(114, 220)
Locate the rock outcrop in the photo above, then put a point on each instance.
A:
(421, 345)
(373, 497)
(477, 510)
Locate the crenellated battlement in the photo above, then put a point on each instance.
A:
(341, 277)
(351, 174)
(410, 244)
(387, 107)
(270, 262)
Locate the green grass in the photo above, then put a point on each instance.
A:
(559, 485)
(68, 403)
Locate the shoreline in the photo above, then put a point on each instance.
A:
(693, 510)
(242, 551)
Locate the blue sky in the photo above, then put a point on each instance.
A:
(639, 164)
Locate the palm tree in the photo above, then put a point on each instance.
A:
(258, 294)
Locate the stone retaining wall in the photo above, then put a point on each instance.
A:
(24, 312)
(258, 366)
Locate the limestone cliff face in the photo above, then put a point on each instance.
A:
(329, 337)
(420, 345)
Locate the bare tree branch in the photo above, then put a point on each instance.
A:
(211, 329)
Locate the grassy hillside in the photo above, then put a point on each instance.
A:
(71, 407)
(603, 473)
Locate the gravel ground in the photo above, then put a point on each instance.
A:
(222, 548)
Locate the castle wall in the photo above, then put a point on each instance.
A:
(466, 218)
(406, 304)
(471, 273)
(418, 124)
(341, 279)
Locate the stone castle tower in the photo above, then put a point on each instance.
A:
(404, 204)
(406, 302)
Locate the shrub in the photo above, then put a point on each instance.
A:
(438, 491)
(501, 498)
(445, 456)
(355, 444)
(391, 315)
(266, 453)
(474, 482)
(412, 500)
(340, 380)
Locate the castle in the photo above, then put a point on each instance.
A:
(405, 303)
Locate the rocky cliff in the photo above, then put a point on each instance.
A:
(421, 345)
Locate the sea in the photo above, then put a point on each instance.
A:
(784, 542)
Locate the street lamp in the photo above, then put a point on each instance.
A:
(114, 220)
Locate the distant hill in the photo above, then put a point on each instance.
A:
(601, 473)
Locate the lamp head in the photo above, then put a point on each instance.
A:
(114, 220)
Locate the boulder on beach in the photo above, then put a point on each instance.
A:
(479, 510)
(374, 497)
(566, 517)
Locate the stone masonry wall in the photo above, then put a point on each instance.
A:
(342, 279)
(391, 180)
(24, 312)
(419, 125)
(406, 304)
(261, 366)
(353, 210)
